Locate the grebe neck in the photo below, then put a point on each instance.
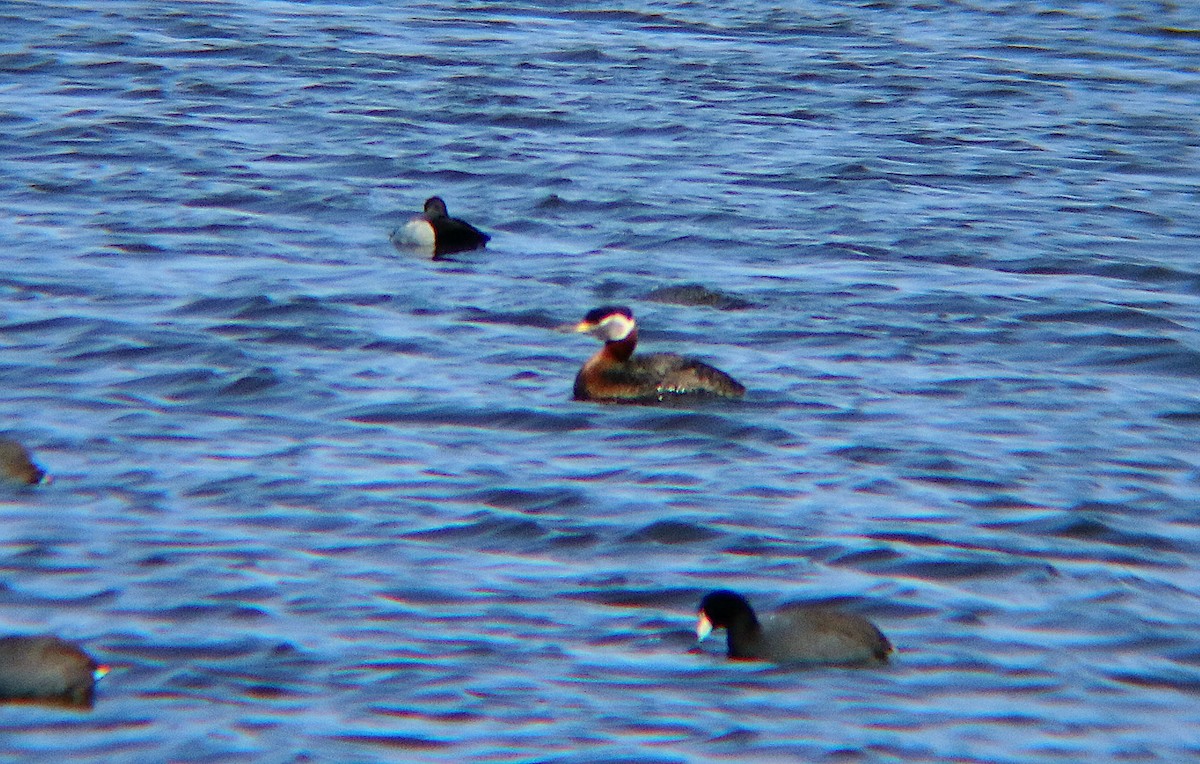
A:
(622, 349)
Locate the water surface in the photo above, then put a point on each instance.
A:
(318, 499)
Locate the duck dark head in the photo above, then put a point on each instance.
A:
(610, 323)
(435, 208)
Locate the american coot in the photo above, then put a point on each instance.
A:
(796, 634)
(47, 670)
(615, 374)
(436, 233)
(16, 466)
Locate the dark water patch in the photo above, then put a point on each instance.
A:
(225, 307)
(673, 532)
(1074, 526)
(867, 558)
(47, 325)
(749, 545)
(1176, 361)
(962, 481)
(222, 487)
(291, 519)
(175, 385)
(876, 455)
(419, 594)
(232, 613)
(138, 650)
(442, 717)
(617, 593)
(496, 530)
(316, 338)
(393, 742)
(1111, 340)
(256, 382)
(362, 300)
(25, 598)
(1153, 275)
(698, 295)
(710, 425)
(138, 248)
(531, 500)
(1181, 417)
(524, 420)
(295, 307)
(1170, 32)
(536, 319)
(1117, 317)
(126, 352)
(555, 204)
(397, 347)
(48, 288)
(1176, 679)
(1004, 502)
(951, 569)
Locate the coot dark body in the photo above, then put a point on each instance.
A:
(796, 634)
(16, 466)
(46, 669)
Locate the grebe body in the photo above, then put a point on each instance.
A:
(616, 375)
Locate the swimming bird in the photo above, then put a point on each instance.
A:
(796, 634)
(616, 375)
(47, 669)
(16, 466)
(436, 233)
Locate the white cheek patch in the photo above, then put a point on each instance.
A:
(704, 627)
(615, 327)
(416, 235)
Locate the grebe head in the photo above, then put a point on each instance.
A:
(435, 208)
(612, 323)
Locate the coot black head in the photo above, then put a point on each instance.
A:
(720, 609)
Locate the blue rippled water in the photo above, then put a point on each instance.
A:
(319, 499)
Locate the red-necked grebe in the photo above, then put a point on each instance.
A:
(615, 374)
(797, 634)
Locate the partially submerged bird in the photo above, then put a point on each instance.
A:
(616, 375)
(16, 466)
(796, 634)
(436, 233)
(46, 669)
